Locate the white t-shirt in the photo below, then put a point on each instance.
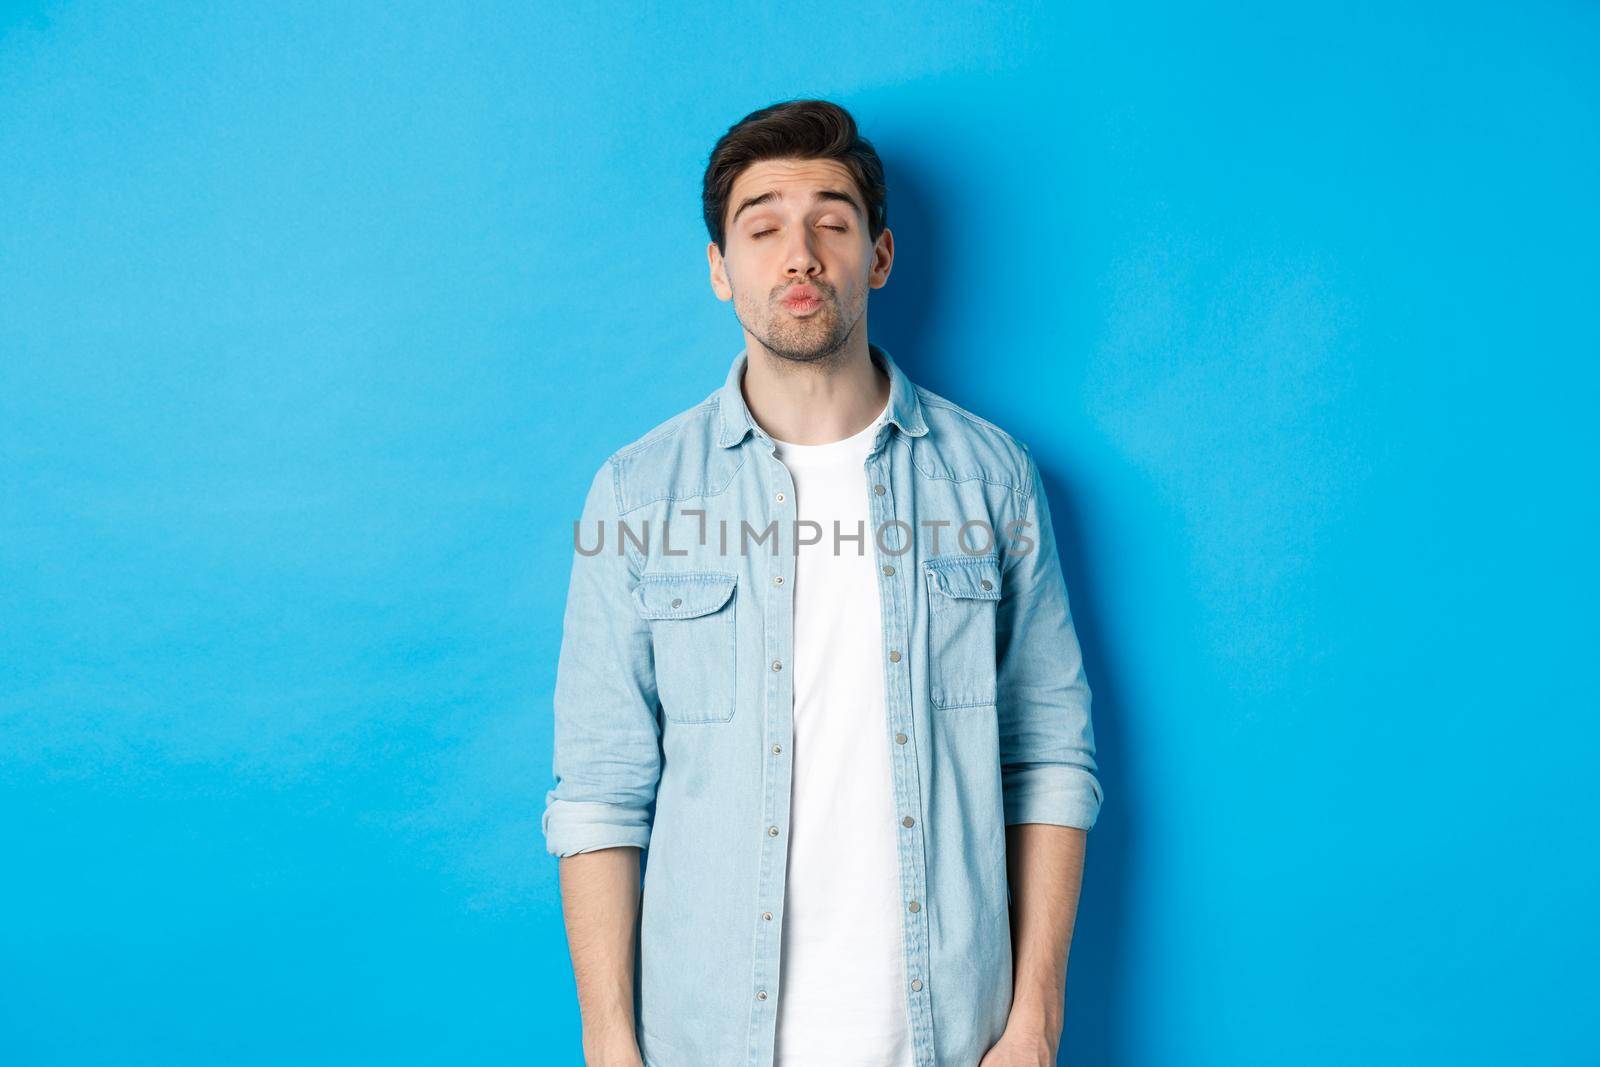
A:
(842, 986)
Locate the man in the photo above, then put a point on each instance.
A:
(818, 662)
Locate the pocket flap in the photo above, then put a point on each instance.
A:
(972, 577)
(682, 596)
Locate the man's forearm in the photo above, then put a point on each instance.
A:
(600, 899)
(1044, 864)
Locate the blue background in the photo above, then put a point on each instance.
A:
(315, 322)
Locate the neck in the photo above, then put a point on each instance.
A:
(814, 403)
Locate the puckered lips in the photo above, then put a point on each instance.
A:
(801, 299)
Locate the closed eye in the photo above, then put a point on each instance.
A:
(762, 233)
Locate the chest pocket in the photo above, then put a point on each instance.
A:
(963, 594)
(692, 630)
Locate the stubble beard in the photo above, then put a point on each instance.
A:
(817, 340)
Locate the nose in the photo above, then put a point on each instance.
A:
(801, 256)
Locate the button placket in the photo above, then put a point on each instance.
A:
(776, 771)
(903, 761)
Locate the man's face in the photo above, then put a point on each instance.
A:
(798, 263)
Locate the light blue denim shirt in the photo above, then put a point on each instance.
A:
(673, 709)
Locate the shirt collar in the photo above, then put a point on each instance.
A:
(905, 410)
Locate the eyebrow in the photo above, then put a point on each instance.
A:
(772, 194)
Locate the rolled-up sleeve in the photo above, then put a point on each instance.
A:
(607, 756)
(1047, 762)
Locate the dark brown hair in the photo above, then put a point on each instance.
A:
(793, 129)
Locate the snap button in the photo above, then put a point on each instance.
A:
(907, 821)
(916, 984)
(888, 568)
(987, 584)
(914, 906)
(899, 739)
(879, 489)
(894, 655)
(677, 602)
(777, 664)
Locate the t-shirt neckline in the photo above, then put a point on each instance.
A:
(832, 450)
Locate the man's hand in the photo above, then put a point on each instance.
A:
(1020, 1048)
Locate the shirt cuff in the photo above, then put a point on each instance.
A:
(1051, 793)
(573, 826)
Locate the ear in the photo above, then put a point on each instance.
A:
(882, 259)
(719, 272)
